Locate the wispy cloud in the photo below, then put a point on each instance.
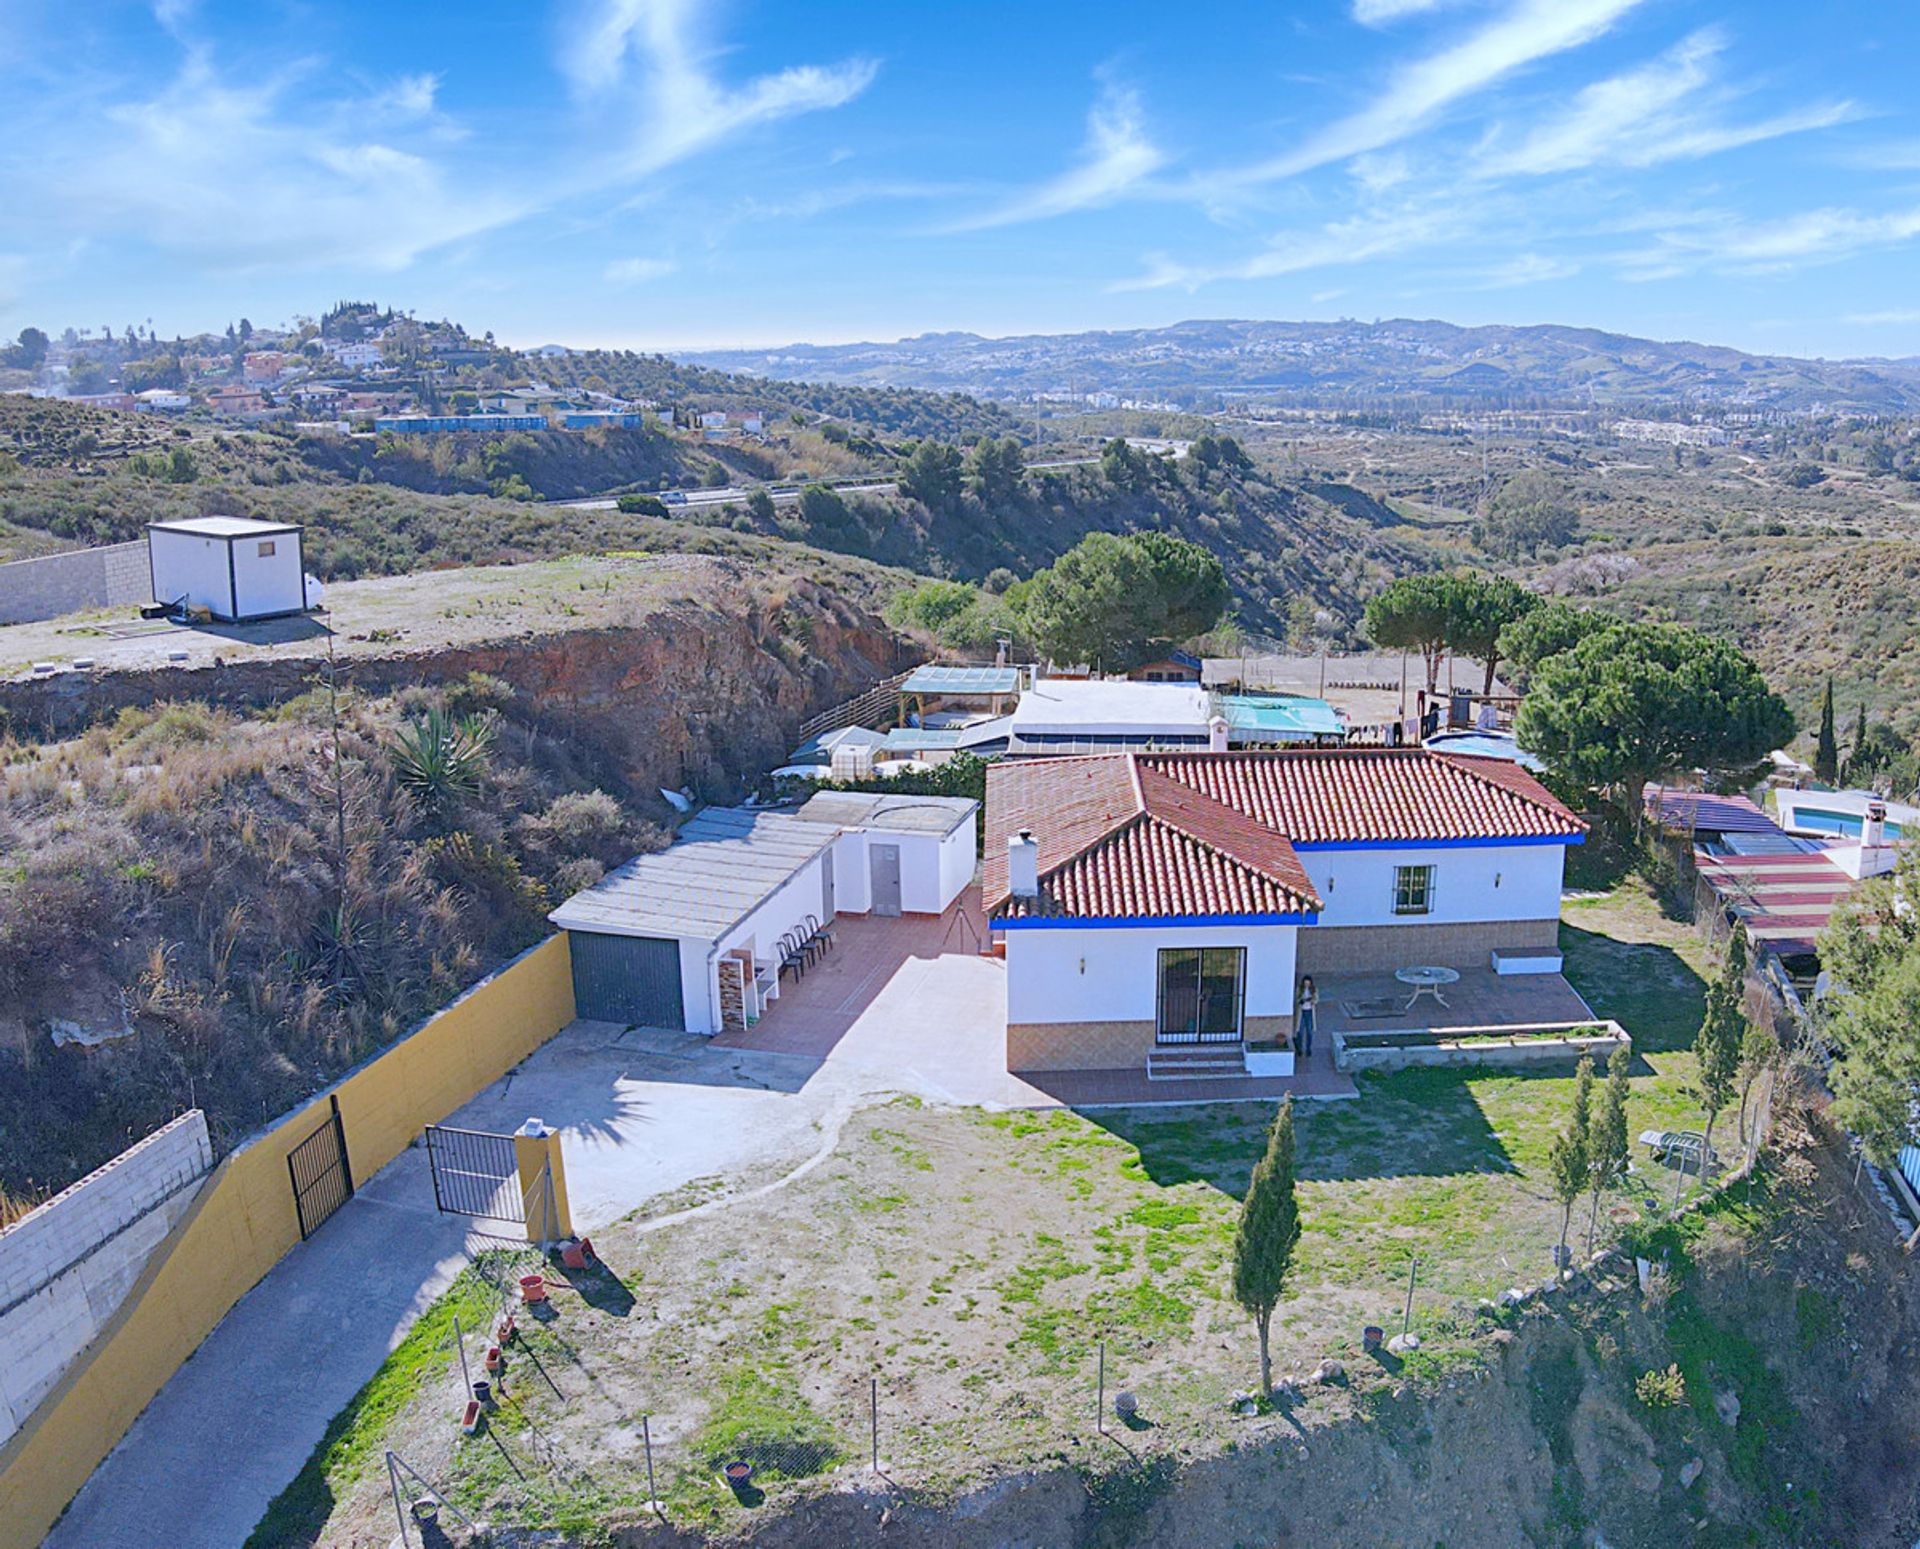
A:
(1118, 157)
(649, 49)
(287, 167)
(637, 271)
(1377, 13)
(1666, 110)
(1344, 242)
(1892, 315)
(1417, 93)
(1728, 243)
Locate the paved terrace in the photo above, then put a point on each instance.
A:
(1482, 998)
(912, 1002)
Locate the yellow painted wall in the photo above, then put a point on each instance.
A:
(243, 1222)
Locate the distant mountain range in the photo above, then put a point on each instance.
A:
(1197, 364)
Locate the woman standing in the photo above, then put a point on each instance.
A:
(1307, 1003)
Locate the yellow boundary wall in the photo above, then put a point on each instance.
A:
(243, 1223)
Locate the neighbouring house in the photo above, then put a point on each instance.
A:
(1174, 667)
(434, 424)
(354, 356)
(1152, 901)
(265, 366)
(166, 400)
(1083, 715)
(696, 937)
(236, 400)
(232, 566)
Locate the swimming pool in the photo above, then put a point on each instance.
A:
(1821, 821)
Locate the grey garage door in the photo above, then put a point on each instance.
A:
(627, 979)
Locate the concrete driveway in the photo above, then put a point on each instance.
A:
(641, 1113)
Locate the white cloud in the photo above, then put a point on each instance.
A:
(1377, 13)
(637, 271)
(1352, 241)
(1118, 157)
(267, 167)
(1417, 93)
(1796, 241)
(1895, 315)
(1527, 269)
(647, 49)
(1662, 111)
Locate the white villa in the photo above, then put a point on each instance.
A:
(1154, 901)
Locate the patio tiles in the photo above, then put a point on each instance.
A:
(1481, 998)
(909, 1003)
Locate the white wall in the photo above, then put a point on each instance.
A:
(959, 857)
(66, 1267)
(1109, 974)
(269, 583)
(699, 986)
(933, 870)
(803, 894)
(192, 566)
(1494, 882)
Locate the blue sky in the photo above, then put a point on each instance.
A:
(661, 173)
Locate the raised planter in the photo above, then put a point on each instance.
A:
(1269, 1059)
(1533, 1043)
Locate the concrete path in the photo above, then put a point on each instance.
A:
(640, 1113)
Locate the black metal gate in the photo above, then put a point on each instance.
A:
(322, 1179)
(475, 1173)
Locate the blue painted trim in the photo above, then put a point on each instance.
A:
(1507, 843)
(1075, 922)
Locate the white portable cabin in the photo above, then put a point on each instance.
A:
(233, 566)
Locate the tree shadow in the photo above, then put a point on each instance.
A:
(1421, 1123)
(1649, 989)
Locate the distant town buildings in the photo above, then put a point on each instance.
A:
(1669, 433)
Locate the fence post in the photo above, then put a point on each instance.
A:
(1100, 1393)
(653, 1492)
(873, 1411)
(466, 1377)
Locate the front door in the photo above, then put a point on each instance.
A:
(883, 862)
(1202, 994)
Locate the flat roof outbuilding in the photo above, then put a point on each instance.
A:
(723, 864)
(939, 815)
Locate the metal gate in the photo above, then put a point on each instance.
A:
(322, 1180)
(475, 1173)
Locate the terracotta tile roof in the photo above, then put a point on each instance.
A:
(1356, 795)
(1174, 834)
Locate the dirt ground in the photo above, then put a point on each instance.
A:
(432, 608)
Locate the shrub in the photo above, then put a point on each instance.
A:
(441, 757)
(1661, 1390)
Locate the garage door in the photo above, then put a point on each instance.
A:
(627, 979)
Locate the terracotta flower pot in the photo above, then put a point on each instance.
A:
(533, 1288)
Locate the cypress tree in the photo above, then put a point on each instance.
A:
(1607, 1137)
(1567, 1160)
(1826, 749)
(1268, 1232)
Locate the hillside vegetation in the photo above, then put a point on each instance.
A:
(180, 927)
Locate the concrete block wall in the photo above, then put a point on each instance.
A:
(67, 1266)
(111, 577)
(239, 1223)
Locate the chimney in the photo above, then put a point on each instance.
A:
(1023, 865)
(1217, 734)
(1873, 827)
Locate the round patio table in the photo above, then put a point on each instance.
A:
(1426, 981)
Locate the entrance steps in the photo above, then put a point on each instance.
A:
(1197, 1062)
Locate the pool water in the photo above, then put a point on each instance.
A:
(1849, 823)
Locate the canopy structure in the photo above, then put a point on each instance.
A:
(987, 682)
(1279, 718)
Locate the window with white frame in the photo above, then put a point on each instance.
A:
(1413, 890)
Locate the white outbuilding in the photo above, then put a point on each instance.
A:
(233, 566)
(695, 936)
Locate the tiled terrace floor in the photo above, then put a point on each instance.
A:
(1482, 998)
(912, 1000)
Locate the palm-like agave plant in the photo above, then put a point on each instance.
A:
(442, 757)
